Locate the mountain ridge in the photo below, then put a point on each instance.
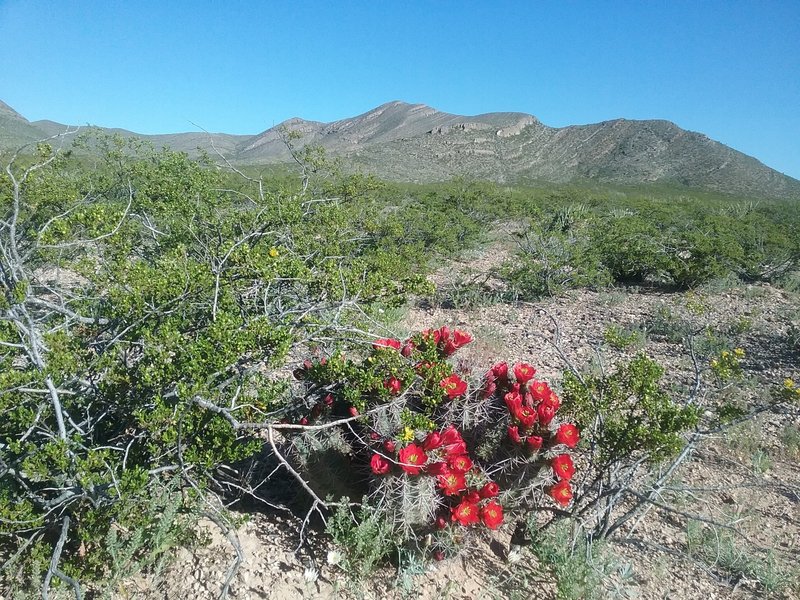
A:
(415, 142)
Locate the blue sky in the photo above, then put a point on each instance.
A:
(728, 69)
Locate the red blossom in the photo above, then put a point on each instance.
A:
(534, 442)
(390, 445)
(456, 449)
(394, 385)
(438, 468)
(539, 389)
(526, 416)
(489, 490)
(451, 436)
(379, 465)
(432, 441)
(461, 338)
(513, 401)
(561, 492)
(453, 386)
(440, 522)
(545, 412)
(460, 464)
(412, 459)
(513, 434)
(374, 436)
(473, 497)
(452, 483)
(492, 515)
(408, 348)
(466, 513)
(553, 400)
(328, 400)
(303, 421)
(438, 555)
(500, 370)
(386, 343)
(353, 411)
(563, 467)
(568, 435)
(523, 373)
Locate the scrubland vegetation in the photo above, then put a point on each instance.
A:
(178, 337)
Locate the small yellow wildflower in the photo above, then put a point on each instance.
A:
(738, 352)
(714, 362)
(725, 354)
(408, 434)
(273, 252)
(788, 383)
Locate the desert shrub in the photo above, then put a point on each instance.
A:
(637, 414)
(550, 262)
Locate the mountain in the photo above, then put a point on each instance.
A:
(414, 142)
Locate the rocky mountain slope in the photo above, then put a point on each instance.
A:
(414, 142)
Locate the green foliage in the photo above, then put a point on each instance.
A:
(622, 338)
(638, 415)
(365, 539)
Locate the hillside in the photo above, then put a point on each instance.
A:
(414, 142)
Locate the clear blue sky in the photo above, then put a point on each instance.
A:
(729, 69)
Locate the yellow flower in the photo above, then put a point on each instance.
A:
(739, 352)
(408, 434)
(714, 362)
(725, 354)
(788, 383)
(273, 252)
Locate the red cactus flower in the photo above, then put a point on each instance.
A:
(328, 400)
(526, 416)
(353, 411)
(379, 465)
(489, 388)
(460, 464)
(489, 490)
(523, 373)
(563, 466)
(386, 343)
(452, 483)
(438, 468)
(568, 435)
(453, 386)
(545, 412)
(513, 434)
(412, 459)
(394, 385)
(473, 497)
(466, 513)
(561, 493)
(432, 441)
(408, 348)
(500, 370)
(534, 442)
(456, 449)
(461, 338)
(513, 401)
(438, 555)
(539, 389)
(440, 522)
(450, 436)
(492, 515)
(390, 446)
(303, 421)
